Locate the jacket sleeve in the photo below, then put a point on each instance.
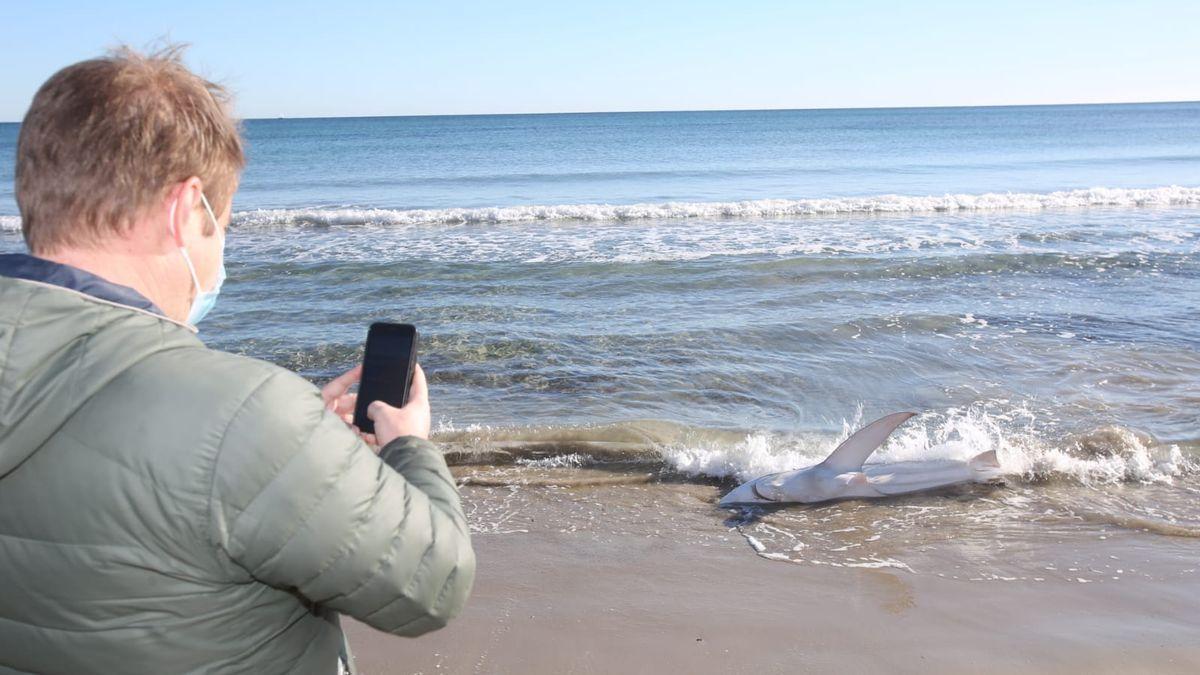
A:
(301, 503)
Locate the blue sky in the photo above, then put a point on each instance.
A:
(301, 58)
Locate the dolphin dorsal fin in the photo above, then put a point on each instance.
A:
(850, 455)
(985, 460)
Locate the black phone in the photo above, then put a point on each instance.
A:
(387, 371)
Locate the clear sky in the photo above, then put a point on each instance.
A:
(332, 58)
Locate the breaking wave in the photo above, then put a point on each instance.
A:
(1106, 455)
(1103, 456)
(1173, 195)
(762, 208)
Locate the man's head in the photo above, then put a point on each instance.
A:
(115, 154)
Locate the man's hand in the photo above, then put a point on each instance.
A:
(411, 420)
(341, 403)
(336, 397)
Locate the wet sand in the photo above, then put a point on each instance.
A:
(648, 599)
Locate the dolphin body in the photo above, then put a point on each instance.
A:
(843, 476)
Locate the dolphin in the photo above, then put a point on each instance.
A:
(843, 476)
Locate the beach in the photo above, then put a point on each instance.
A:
(644, 599)
(623, 316)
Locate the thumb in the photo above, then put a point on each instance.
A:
(418, 389)
(376, 409)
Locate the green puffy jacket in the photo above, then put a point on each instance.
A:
(167, 508)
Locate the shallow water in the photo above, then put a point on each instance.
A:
(622, 316)
(1080, 513)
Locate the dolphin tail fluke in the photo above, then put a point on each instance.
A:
(850, 455)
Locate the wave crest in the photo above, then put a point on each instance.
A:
(762, 208)
(1105, 456)
(1173, 195)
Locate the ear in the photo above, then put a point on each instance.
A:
(183, 198)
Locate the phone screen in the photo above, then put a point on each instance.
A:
(387, 371)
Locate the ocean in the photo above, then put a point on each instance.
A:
(623, 315)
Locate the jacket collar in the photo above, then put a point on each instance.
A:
(29, 268)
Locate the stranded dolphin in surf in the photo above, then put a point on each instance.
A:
(842, 474)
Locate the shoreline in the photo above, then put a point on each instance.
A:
(563, 602)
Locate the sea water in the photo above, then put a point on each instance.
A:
(654, 306)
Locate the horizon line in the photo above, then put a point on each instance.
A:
(711, 110)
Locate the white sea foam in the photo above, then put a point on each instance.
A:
(571, 461)
(1167, 196)
(1105, 456)
(763, 208)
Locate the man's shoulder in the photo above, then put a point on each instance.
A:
(202, 363)
(213, 376)
(204, 398)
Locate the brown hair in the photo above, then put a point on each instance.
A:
(105, 138)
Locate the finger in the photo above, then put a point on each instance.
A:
(345, 403)
(338, 385)
(348, 418)
(418, 389)
(377, 410)
(369, 439)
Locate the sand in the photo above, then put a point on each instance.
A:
(561, 602)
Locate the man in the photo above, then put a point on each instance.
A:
(164, 507)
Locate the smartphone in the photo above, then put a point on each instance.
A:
(387, 372)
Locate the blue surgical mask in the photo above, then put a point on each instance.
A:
(204, 300)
